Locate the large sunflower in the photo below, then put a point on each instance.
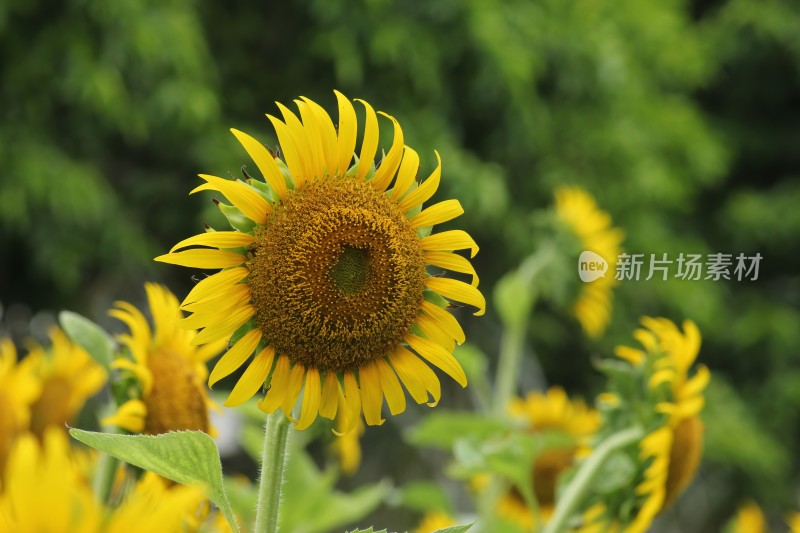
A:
(325, 279)
(551, 412)
(169, 369)
(578, 210)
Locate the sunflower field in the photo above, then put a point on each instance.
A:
(524, 266)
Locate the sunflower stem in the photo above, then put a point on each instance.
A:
(575, 493)
(273, 465)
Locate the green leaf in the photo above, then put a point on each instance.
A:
(456, 529)
(370, 530)
(187, 457)
(441, 428)
(88, 336)
(617, 472)
(424, 496)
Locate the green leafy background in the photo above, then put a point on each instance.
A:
(681, 117)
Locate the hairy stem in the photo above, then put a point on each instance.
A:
(273, 465)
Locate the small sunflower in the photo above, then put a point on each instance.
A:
(578, 210)
(749, 519)
(672, 401)
(434, 521)
(68, 377)
(325, 280)
(49, 476)
(168, 367)
(553, 412)
(19, 389)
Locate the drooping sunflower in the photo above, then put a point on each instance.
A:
(48, 476)
(554, 412)
(19, 388)
(324, 279)
(578, 210)
(68, 377)
(670, 404)
(168, 367)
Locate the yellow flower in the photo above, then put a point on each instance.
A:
(19, 388)
(169, 367)
(347, 446)
(46, 492)
(549, 412)
(68, 377)
(793, 521)
(673, 448)
(749, 519)
(577, 209)
(324, 283)
(435, 521)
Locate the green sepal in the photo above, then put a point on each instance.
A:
(287, 175)
(263, 189)
(435, 298)
(236, 218)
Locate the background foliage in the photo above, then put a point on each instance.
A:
(681, 117)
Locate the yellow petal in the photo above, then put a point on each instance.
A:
(369, 145)
(235, 356)
(448, 241)
(330, 392)
(445, 320)
(290, 151)
(241, 195)
(215, 284)
(264, 161)
(418, 378)
(252, 379)
(437, 214)
(438, 356)
(423, 193)
(202, 259)
(454, 262)
(217, 239)
(407, 173)
(395, 398)
(431, 330)
(371, 394)
(327, 134)
(388, 168)
(353, 401)
(141, 372)
(130, 415)
(697, 383)
(234, 295)
(458, 291)
(278, 386)
(633, 356)
(226, 327)
(293, 390)
(313, 139)
(348, 129)
(311, 399)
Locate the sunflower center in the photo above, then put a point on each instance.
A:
(337, 275)
(351, 270)
(176, 401)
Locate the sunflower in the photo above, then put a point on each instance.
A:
(325, 280)
(169, 369)
(19, 388)
(579, 212)
(749, 519)
(434, 521)
(551, 412)
(672, 449)
(793, 521)
(68, 377)
(50, 477)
